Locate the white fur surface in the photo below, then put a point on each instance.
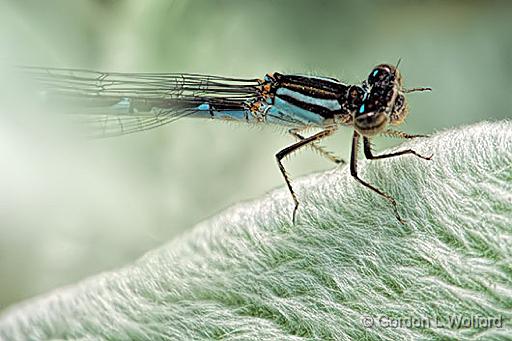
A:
(249, 274)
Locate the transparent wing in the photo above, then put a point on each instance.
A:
(110, 104)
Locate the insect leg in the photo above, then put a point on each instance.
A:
(353, 172)
(295, 132)
(401, 134)
(290, 149)
(369, 155)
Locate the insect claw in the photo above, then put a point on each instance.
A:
(294, 214)
(401, 221)
(395, 209)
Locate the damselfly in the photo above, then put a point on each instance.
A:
(122, 103)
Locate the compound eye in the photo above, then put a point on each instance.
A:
(380, 74)
(374, 76)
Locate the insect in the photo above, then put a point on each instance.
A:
(121, 103)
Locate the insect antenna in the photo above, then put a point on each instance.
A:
(408, 91)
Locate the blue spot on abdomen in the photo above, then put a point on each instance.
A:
(204, 107)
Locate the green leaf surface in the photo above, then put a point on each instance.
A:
(248, 273)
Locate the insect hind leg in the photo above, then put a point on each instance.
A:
(325, 153)
(290, 149)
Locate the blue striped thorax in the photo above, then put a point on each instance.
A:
(310, 100)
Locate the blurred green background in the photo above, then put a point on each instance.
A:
(71, 208)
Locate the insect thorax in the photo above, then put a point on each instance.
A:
(295, 100)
